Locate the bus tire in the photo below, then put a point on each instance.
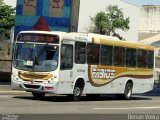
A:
(128, 91)
(38, 96)
(77, 91)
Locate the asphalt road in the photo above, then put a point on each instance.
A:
(108, 105)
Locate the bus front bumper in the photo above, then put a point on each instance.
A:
(34, 87)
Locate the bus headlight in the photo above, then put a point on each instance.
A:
(17, 79)
(49, 81)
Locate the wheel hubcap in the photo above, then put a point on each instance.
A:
(77, 91)
(129, 91)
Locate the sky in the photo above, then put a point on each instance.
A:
(11, 2)
(143, 2)
(135, 2)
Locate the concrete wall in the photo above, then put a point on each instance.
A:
(89, 8)
(5, 57)
(149, 19)
(5, 62)
(149, 22)
(149, 32)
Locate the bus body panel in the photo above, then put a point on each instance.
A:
(98, 79)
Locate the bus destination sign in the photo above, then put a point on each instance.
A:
(39, 38)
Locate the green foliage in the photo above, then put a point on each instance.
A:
(7, 17)
(109, 21)
(100, 21)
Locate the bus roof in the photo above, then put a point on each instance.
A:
(114, 41)
(95, 38)
(125, 44)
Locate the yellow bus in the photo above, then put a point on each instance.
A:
(80, 63)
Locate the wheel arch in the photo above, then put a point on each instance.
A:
(129, 81)
(80, 81)
(78, 89)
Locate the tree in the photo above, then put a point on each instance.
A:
(7, 17)
(100, 23)
(109, 21)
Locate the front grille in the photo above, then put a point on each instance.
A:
(28, 76)
(32, 86)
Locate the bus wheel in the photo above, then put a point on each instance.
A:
(77, 93)
(38, 96)
(128, 91)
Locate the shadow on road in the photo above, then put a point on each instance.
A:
(152, 94)
(83, 99)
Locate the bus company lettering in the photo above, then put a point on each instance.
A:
(98, 73)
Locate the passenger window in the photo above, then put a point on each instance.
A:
(80, 52)
(130, 57)
(93, 53)
(119, 53)
(141, 58)
(106, 55)
(150, 58)
(66, 56)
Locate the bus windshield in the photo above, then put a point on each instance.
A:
(36, 57)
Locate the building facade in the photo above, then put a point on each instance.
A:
(149, 22)
(149, 33)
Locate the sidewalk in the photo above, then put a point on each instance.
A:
(5, 85)
(6, 90)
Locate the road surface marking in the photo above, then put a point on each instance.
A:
(127, 108)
